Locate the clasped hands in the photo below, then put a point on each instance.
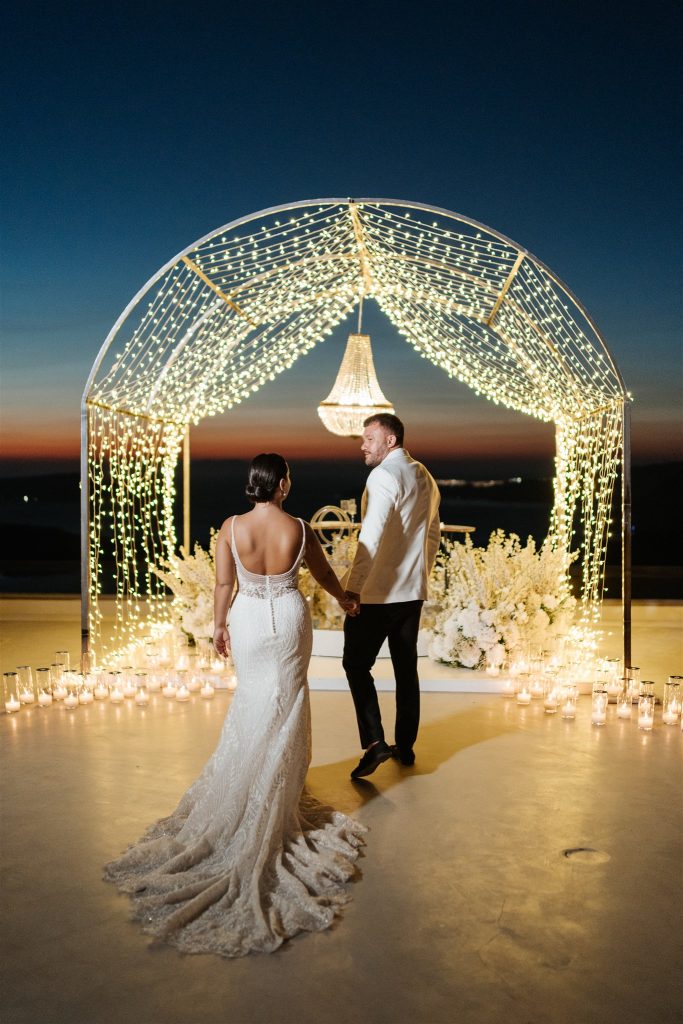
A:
(351, 603)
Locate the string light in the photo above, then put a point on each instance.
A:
(243, 305)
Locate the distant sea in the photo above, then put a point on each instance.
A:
(39, 515)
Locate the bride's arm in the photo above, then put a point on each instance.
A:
(225, 584)
(323, 573)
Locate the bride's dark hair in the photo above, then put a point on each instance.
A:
(265, 473)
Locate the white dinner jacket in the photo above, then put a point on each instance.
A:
(400, 532)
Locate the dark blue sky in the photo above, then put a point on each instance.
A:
(132, 130)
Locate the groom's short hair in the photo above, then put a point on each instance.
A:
(389, 422)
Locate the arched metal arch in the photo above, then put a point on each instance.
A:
(331, 203)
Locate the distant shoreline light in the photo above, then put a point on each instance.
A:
(479, 483)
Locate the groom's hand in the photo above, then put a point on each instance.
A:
(352, 604)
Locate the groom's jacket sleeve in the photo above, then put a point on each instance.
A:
(381, 501)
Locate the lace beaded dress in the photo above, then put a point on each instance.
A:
(249, 857)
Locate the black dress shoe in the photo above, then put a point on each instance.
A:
(406, 757)
(371, 759)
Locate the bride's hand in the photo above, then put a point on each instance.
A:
(221, 641)
(351, 604)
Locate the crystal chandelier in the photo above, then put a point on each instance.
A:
(356, 393)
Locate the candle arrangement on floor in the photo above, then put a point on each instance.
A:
(164, 665)
(556, 679)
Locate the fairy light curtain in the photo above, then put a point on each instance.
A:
(244, 303)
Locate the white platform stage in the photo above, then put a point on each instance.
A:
(326, 672)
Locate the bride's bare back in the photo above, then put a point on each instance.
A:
(268, 541)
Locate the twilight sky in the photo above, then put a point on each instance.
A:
(132, 130)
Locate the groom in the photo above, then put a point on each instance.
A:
(398, 542)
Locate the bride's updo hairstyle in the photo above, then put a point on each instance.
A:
(265, 473)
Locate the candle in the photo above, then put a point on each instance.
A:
(169, 690)
(232, 680)
(598, 716)
(71, 701)
(183, 693)
(154, 682)
(646, 712)
(569, 709)
(12, 704)
(524, 697)
(142, 697)
(508, 689)
(614, 688)
(182, 662)
(624, 709)
(85, 696)
(536, 689)
(44, 699)
(218, 665)
(207, 691)
(59, 691)
(193, 684)
(100, 692)
(550, 702)
(26, 696)
(669, 717)
(115, 694)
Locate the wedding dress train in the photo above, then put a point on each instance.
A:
(249, 857)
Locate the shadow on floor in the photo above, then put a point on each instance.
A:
(438, 741)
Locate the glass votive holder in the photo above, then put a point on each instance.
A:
(128, 681)
(568, 701)
(207, 691)
(70, 702)
(599, 705)
(523, 694)
(27, 694)
(633, 676)
(551, 697)
(115, 688)
(671, 703)
(507, 686)
(182, 693)
(647, 688)
(624, 701)
(141, 692)
(154, 680)
(85, 692)
(10, 692)
(169, 688)
(43, 687)
(646, 712)
(63, 658)
(57, 681)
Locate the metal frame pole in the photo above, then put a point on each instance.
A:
(626, 538)
(85, 541)
(186, 490)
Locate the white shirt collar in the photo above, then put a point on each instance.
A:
(393, 453)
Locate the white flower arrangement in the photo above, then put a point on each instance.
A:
(489, 601)
(483, 602)
(191, 579)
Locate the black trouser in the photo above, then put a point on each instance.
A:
(364, 634)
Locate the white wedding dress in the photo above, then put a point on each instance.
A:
(249, 858)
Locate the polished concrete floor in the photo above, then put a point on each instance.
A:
(467, 908)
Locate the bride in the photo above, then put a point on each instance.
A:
(249, 857)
